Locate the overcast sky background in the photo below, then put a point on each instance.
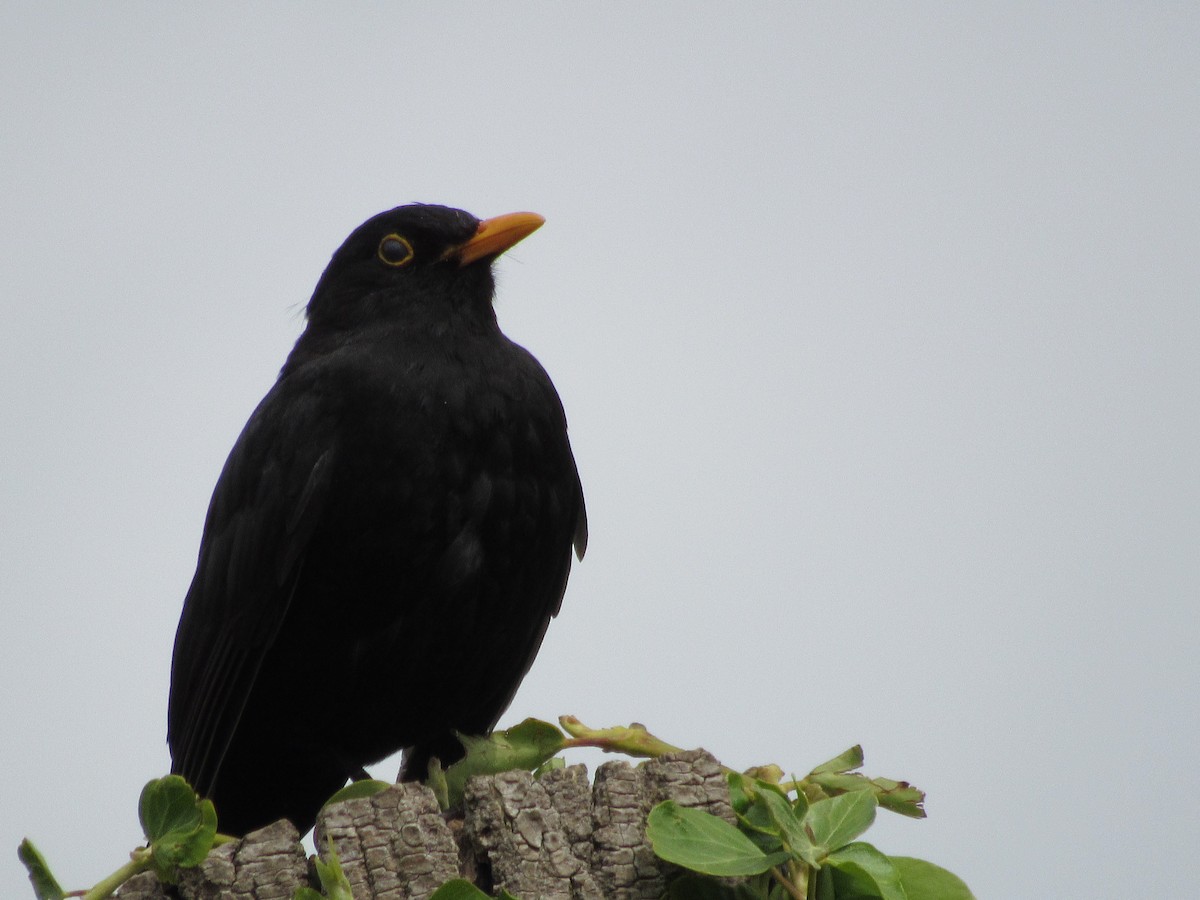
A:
(878, 329)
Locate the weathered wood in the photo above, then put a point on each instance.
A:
(268, 864)
(625, 866)
(394, 845)
(521, 832)
(556, 837)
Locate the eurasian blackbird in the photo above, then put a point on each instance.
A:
(390, 535)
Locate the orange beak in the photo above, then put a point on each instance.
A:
(496, 235)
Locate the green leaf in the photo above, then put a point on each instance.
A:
(900, 797)
(703, 843)
(800, 805)
(167, 805)
(307, 893)
(690, 886)
(530, 743)
(45, 885)
(555, 762)
(767, 843)
(924, 881)
(459, 889)
(739, 797)
(859, 870)
(329, 870)
(524, 746)
(436, 782)
(752, 814)
(821, 885)
(836, 821)
(357, 790)
(840, 782)
(757, 817)
(843, 762)
(179, 826)
(771, 773)
(773, 787)
(789, 827)
(185, 849)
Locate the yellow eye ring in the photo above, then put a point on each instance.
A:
(395, 251)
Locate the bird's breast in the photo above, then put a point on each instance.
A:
(453, 487)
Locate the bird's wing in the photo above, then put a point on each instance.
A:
(560, 506)
(264, 509)
(581, 530)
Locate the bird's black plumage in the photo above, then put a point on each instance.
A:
(390, 535)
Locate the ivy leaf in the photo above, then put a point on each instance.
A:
(859, 870)
(179, 826)
(836, 821)
(167, 805)
(45, 885)
(924, 881)
(699, 841)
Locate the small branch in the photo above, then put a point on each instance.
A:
(787, 884)
(139, 862)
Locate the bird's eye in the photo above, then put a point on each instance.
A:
(395, 251)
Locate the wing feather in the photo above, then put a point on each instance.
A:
(267, 501)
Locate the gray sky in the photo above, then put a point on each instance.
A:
(877, 327)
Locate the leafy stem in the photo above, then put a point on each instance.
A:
(139, 861)
(632, 740)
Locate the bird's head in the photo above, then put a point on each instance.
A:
(419, 265)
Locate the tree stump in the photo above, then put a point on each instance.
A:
(556, 837)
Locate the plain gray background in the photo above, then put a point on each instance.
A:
(877, 327)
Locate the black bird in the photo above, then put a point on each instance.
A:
(389, 538)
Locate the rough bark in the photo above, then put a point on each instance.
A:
(392, 846)
(555, 837)
(268, 864)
